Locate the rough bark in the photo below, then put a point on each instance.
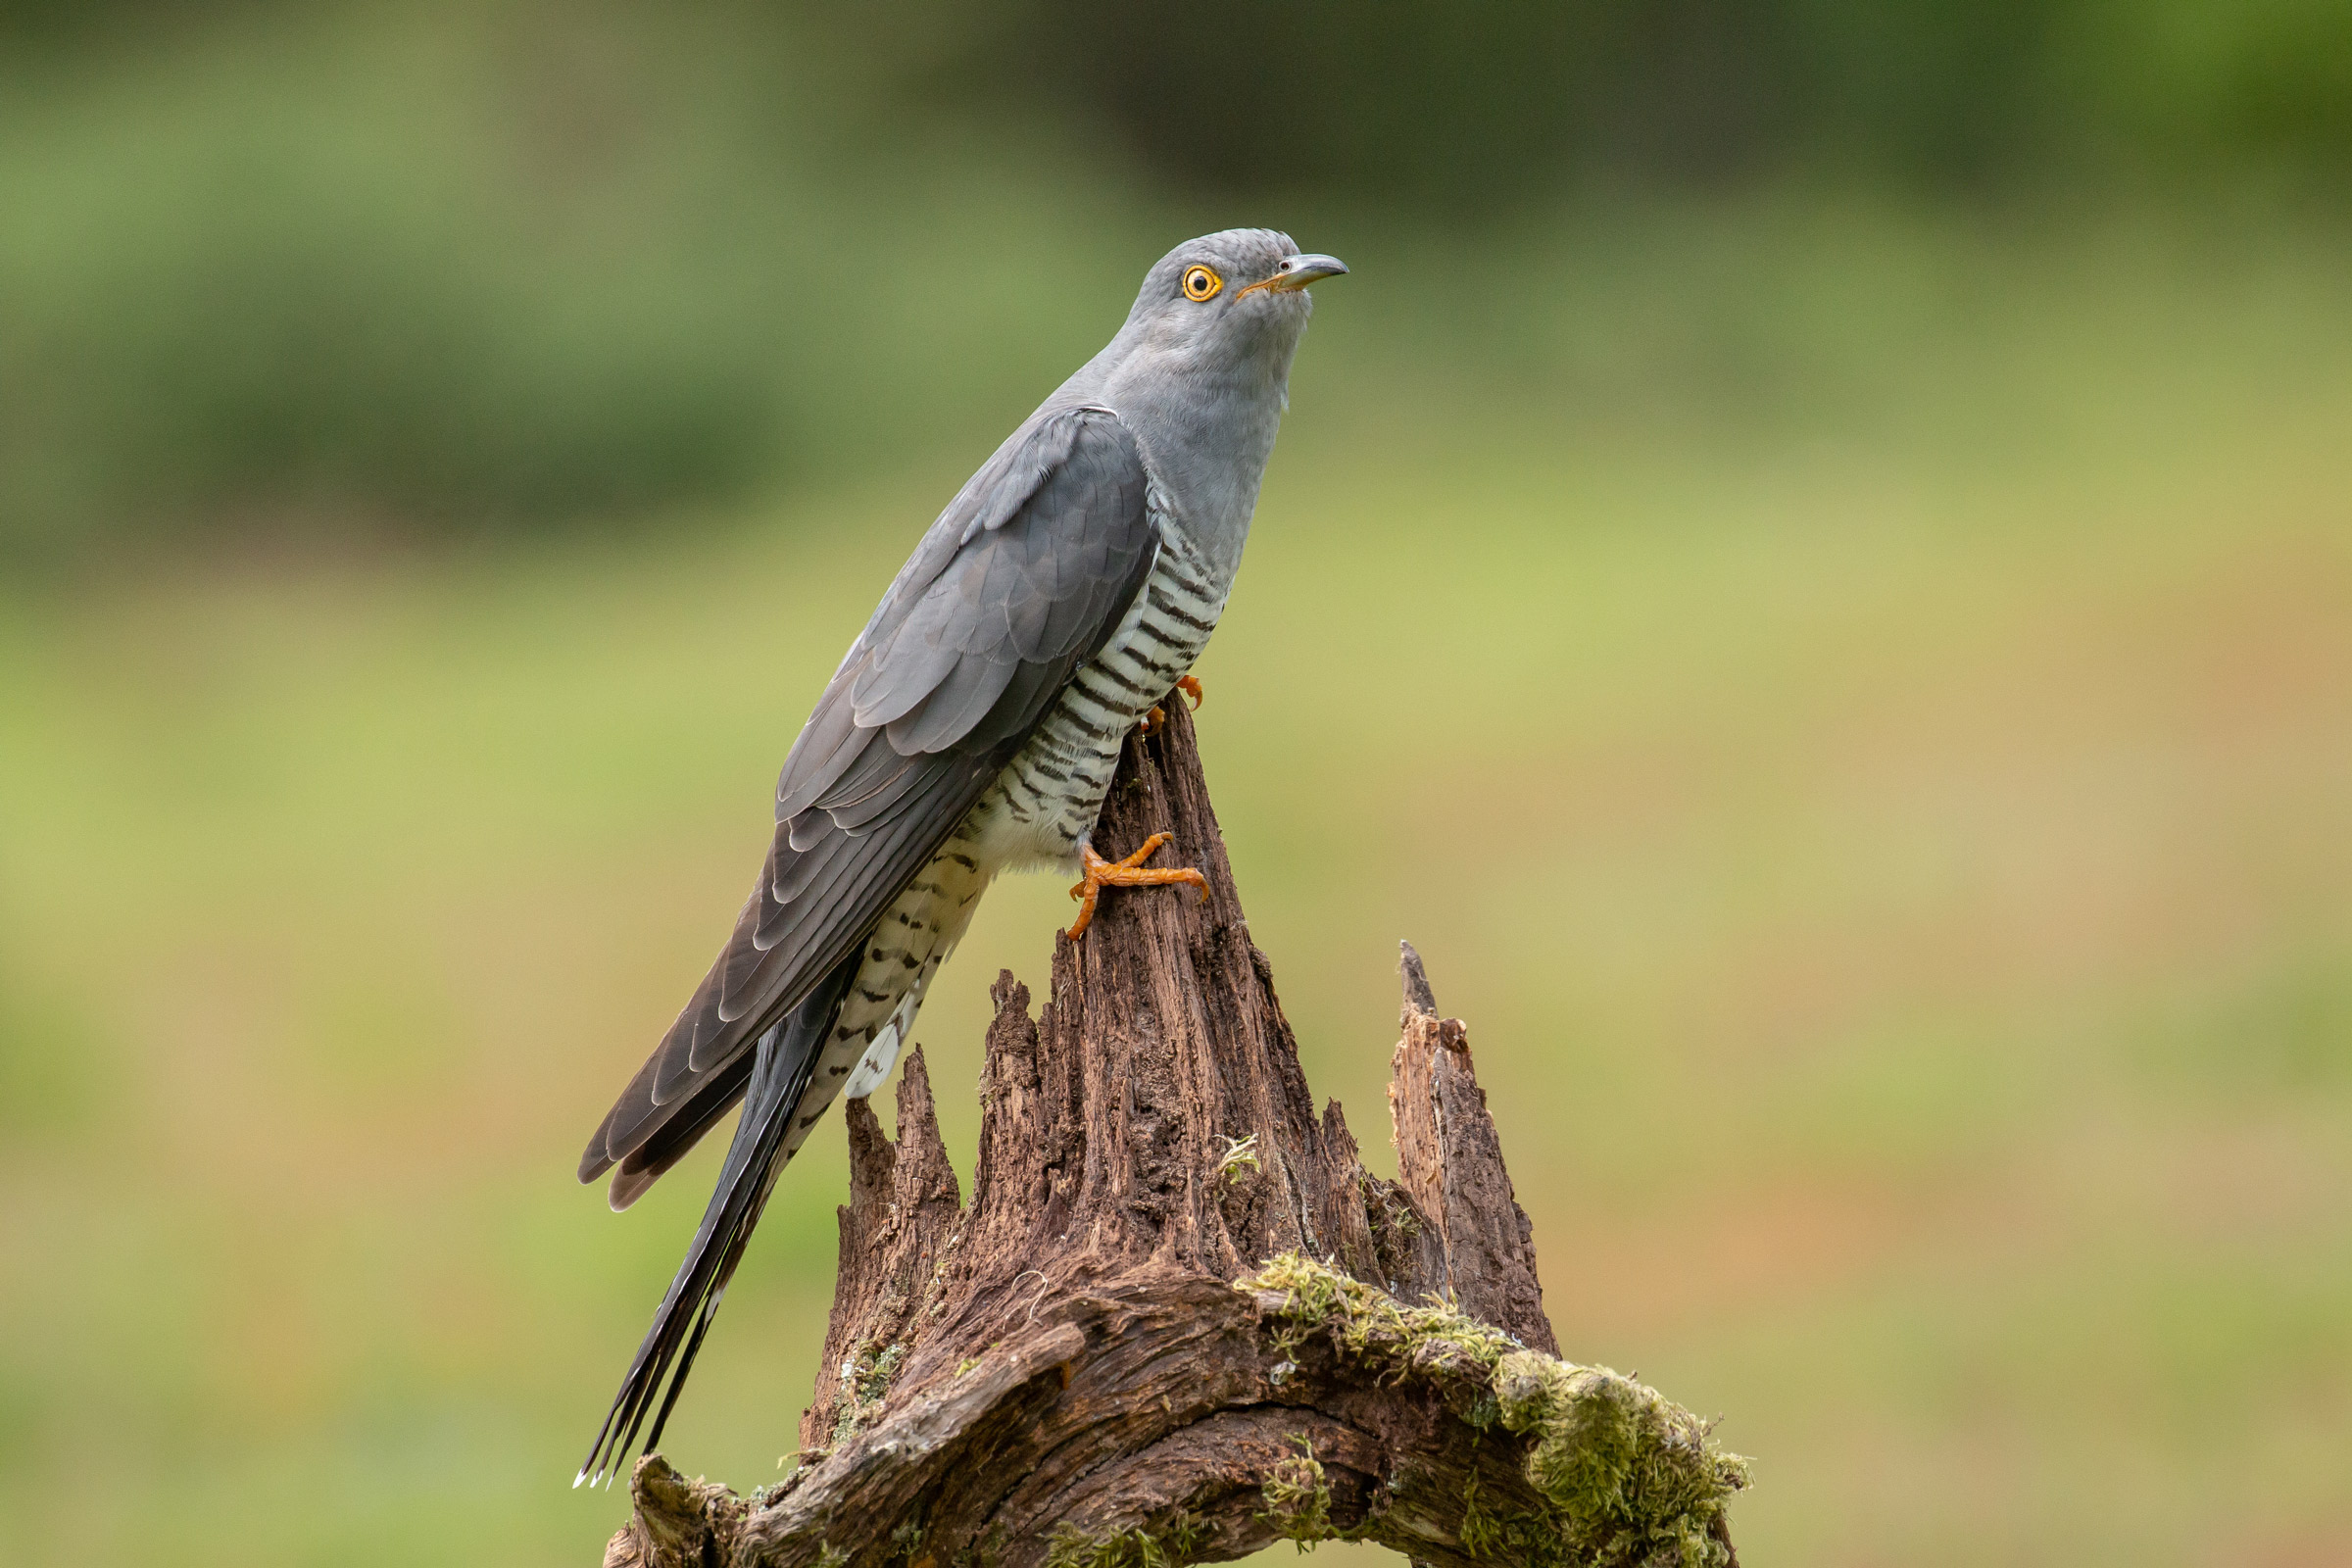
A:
(1179, 1320)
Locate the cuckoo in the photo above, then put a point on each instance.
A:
(971, 728)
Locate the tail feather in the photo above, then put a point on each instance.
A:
(786, 1059)
(652, 1158)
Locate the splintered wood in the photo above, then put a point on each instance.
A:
(1179, 1320)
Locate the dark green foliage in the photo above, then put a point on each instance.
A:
(427, 268)
(1467, 104)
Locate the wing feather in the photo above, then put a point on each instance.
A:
(1023, 577)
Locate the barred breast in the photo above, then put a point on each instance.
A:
(1045, 802)
(1037, 813)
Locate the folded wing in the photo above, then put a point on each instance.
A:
(1022, 579)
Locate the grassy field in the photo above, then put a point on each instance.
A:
(1857, 711)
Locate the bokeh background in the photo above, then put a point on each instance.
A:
(1810, 570)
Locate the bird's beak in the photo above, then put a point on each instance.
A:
(1294, 272)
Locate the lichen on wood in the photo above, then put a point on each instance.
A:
(1178, 1319)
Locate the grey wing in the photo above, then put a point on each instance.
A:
(1022, 579)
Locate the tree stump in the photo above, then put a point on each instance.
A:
(1179, 1320)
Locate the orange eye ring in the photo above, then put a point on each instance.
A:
(1200, 283)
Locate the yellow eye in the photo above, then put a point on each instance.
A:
(1200, 283)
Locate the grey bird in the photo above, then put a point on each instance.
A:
(971, 728)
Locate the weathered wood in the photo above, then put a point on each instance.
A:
(1452, 1162)
(903, 1207)
(1179, 1320)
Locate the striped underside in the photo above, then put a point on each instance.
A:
(1037, 813)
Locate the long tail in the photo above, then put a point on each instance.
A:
(787, 1056)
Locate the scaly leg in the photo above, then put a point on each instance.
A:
(1124, 873)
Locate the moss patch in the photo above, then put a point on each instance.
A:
(1633, 1476)
(1626, 1475)
(866, 1376)
(1369, 1322)
(1170, 1546)
(1239, 1157)
(1297, 1498)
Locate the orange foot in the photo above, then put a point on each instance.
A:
(1126, 874)
(1159, 716)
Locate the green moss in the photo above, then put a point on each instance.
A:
(1369, 1322)
(1387, 1209)
(1297, 1498)
(1481, 1532)
(873, 1378)
(1626, 1468)
(1240, 1156)
(1171, 1546)
(1626, 1475)
(865, 1375)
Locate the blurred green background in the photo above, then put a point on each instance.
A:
(1810, 570)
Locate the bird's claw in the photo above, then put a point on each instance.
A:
(1159, 716)
(1128, 872)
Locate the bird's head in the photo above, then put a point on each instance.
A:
(1226, 301)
